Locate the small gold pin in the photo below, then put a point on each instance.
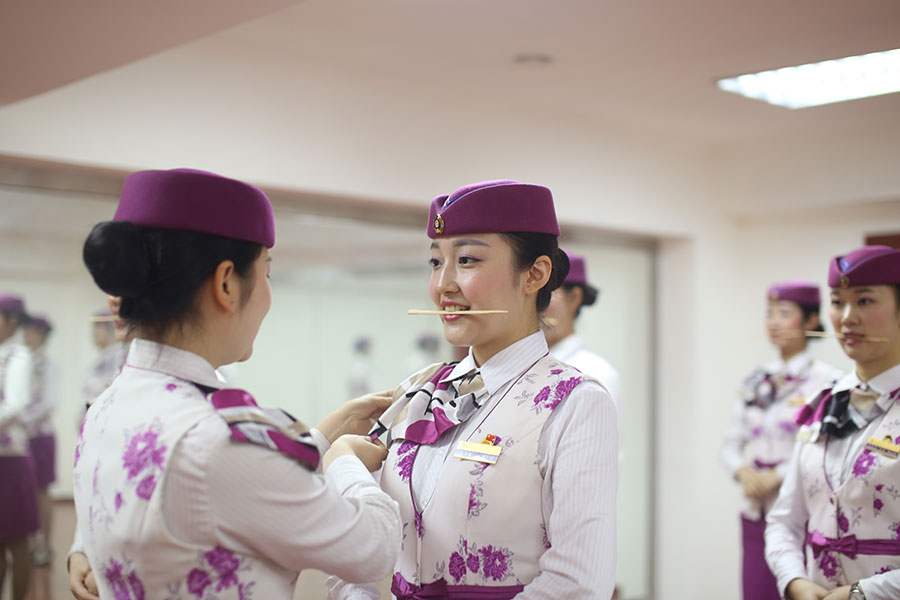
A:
(438, 224)
(845, 282)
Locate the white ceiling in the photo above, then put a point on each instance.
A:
(646, 65)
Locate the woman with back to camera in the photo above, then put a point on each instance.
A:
(187, 490)
(834, 531)
(758, 446)
(504, 464)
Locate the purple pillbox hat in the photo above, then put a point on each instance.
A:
(10, 303)
(577, 270)
(502, 206)
(804, 293)
(869, 265)
(190, 200)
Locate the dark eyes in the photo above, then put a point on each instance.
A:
(463, 260)
(861, 302)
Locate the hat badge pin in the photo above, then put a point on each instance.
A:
(438, 224)
(845, 282)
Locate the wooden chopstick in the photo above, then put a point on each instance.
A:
(839, 336)
(414, 311)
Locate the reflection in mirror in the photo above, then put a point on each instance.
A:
(339, 282)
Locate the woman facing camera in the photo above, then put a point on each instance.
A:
(758, 446)
(504, 464)
(834, 531)
(184, 489)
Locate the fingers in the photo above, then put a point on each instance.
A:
(91, 583)
(83, 589)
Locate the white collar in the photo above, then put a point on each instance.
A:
(507, 364)
(797, 364)
(566, 347)
(882, 384)
(152, 356)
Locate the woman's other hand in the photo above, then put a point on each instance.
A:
(356, 417)
(371, 452)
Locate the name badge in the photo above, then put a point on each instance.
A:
(796, 400)
(885, 447)
(483, 453)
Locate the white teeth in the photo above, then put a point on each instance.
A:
(454, 308)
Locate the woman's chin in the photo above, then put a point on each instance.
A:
(455, 336)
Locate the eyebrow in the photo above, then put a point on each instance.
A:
(856, 290)
(463, 242)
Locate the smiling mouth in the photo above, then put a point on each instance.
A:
(455, 308)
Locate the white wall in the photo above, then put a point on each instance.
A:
(357, 134)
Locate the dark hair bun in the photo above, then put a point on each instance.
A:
(560, 270)
(116, 254)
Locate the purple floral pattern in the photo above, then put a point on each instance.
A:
(457, 567)
(494, 563)
(197, 581)
(895, 530)
(864, 463)
(406, 455)
(218, 570)
(476, 491)
(225, 564)
(143, 452)
(829, 565)
(562, 391)
(550, 396)
(79, 445)
(125, 585)
(490, 562)
(144, 459)
(420, 529)
(541, 396)
(473, 563)
(843, 522)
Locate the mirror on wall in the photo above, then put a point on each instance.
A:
(341, 287)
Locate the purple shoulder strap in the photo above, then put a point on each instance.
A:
(249, 423)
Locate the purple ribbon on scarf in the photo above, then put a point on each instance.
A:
(850, 546)
(438, 405)
(439, 590)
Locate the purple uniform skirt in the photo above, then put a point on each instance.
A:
(759, 583)
(18, 503)
(43, 450)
